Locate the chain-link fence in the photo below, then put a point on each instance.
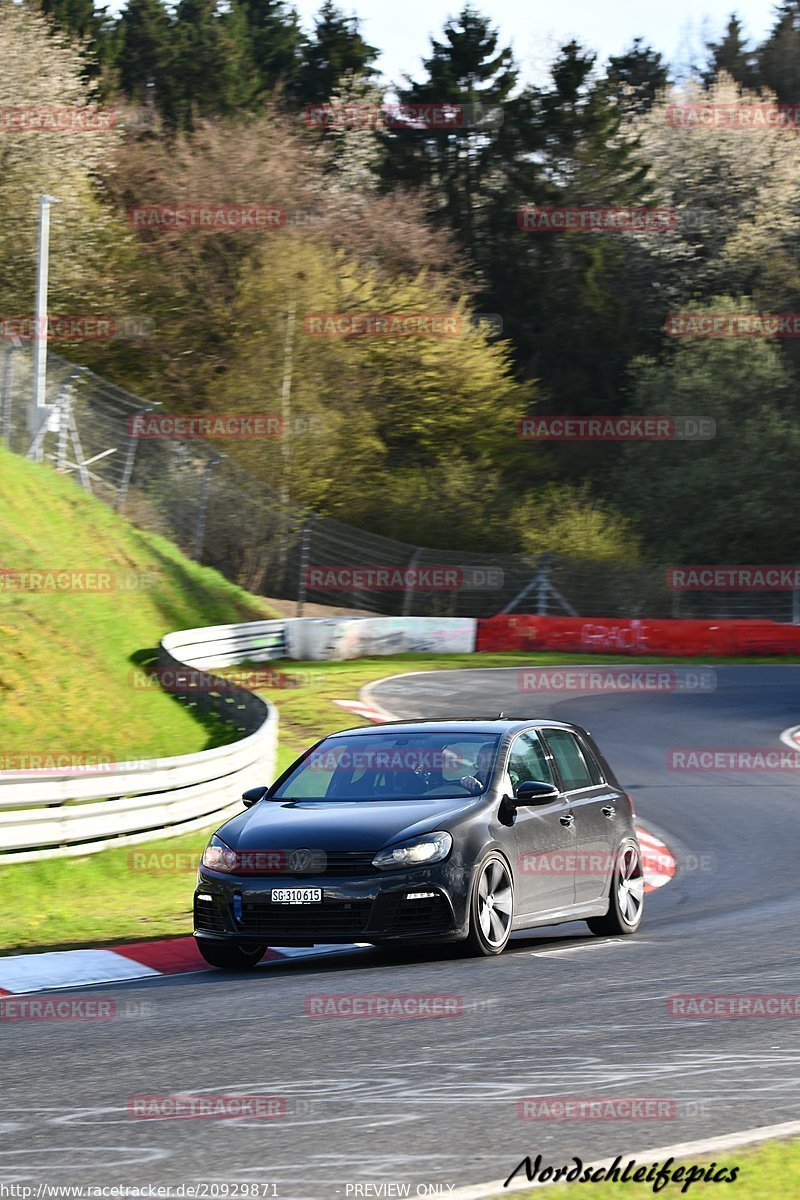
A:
(222, 515)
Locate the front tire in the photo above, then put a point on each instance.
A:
(626, 897)
(491, 908)
(228, 956)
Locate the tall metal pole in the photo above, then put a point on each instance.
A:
(127, 470)
(543, 584)
(408, 597)
(5, 394)
(200, 527)
(286, 417)
(40, 315)
(286, 390)
(286, 400)
(305, 554)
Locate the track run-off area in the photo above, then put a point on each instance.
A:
(431, 1105)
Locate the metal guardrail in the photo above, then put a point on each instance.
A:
(54, 813)
(225, 645)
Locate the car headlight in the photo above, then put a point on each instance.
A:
(219, 857)
(431, 848)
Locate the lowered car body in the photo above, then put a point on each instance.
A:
(424, 831)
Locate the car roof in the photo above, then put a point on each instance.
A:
(485, 727)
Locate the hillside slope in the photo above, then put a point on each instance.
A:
(67, 657)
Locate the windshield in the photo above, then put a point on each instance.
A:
(399, 766)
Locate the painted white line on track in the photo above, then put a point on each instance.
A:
(680, 1150)
(589, 946)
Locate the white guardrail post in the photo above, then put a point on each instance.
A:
(47, 814)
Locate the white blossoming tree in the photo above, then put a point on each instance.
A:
(55, 139)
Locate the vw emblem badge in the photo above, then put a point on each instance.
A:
(299, 861)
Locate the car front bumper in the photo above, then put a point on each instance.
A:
(423, 904)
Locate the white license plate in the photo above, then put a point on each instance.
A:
(297, 895)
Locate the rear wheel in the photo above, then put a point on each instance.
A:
(626, 898)
(491, 908)
(228, 956)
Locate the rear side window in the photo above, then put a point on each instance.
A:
(573, 768)
(591, 762)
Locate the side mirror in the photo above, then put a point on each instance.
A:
(253, 795)
(533, 792)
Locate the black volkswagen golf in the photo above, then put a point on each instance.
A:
(424, 831)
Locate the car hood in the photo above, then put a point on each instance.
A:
(338, 825)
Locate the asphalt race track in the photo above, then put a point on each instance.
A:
(423, 1103)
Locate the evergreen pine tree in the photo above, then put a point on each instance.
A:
(211, 76)
(731, 54)
(469, 129)
(335, 48)
(275, 42)
(637, 76)
(778, 58)
(145, 57)
(567, 298)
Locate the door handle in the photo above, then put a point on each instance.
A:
(608, 810)
(568, 819)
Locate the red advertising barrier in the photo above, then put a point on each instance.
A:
(610, 635)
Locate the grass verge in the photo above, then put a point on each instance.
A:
(68, 656)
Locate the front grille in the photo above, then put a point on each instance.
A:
(208, 915)
(332, 918)
(330, 862)
(395, 913)
(350, 862)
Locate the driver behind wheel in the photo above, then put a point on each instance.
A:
(477, 782)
